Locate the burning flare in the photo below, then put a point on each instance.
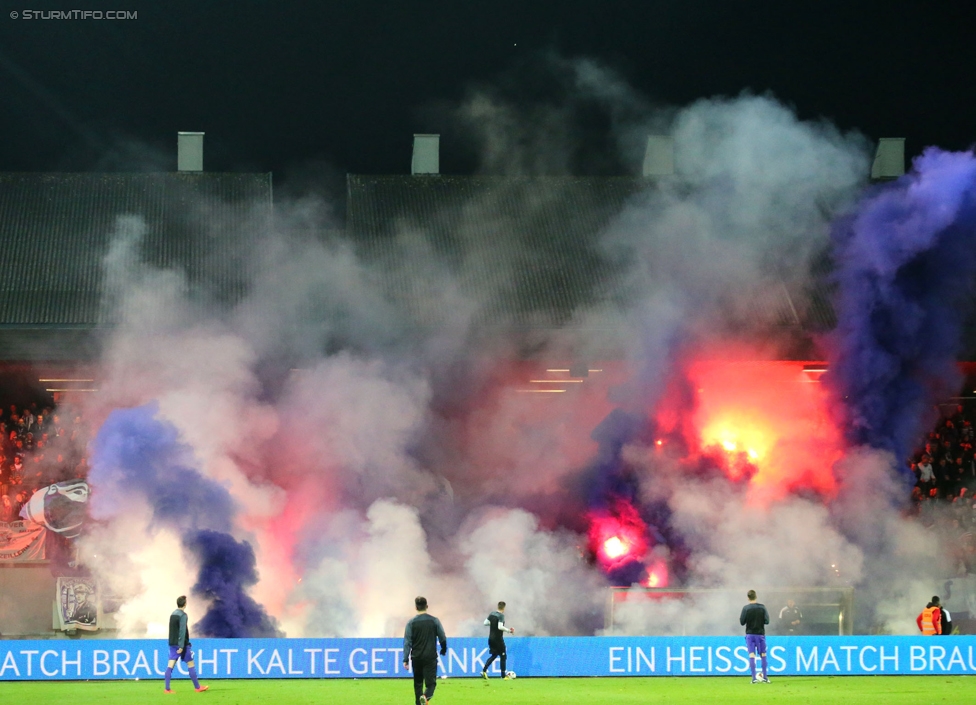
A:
(617, 536)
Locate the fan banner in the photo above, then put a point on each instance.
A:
(22, 541)
(77, 600)
(528, 656)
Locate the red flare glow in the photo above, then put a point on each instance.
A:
(614, 547)
(766, 422)
(657, 575)
(617, 536)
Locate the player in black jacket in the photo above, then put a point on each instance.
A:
(420, 645)
(180, 646)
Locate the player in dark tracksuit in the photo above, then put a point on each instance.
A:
(496, 640)
(420, 644)
(755, 617)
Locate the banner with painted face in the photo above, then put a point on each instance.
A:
(77, 604)
(60, 507)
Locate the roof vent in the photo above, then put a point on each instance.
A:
(659, 157)
(189, 151)
(426, 154)
(889, 159)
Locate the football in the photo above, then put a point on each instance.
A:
(511, 674)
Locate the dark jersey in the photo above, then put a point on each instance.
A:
(755, 618)
(179, 631)
(421, 636)
(496, 635)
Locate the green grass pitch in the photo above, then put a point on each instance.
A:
(849, 690)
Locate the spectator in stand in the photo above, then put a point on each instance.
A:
(7, 511)
(949, 433)
(966, 432)
(17, 471)
(964, 467)
(19, 500)
(11, 444)
(36, 475)
(945, 450)
(4, 476)
(926, 474)
(917, 499)
(956, 480)
(942, 479)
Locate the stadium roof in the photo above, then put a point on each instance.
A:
(525, 248)
(526, 244)
(55, 231)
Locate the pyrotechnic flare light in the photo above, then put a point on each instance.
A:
(614, 547)
(762, 424)
(657, 574)
(617, 536)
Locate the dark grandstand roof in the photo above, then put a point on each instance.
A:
(544, 227)
(55, 231)
(550, 223)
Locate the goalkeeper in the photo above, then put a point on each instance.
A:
(496, 640)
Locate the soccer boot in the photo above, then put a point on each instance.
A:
(484, 674)
(202, 688)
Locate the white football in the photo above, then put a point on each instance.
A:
(511, 674)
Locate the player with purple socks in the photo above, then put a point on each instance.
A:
(754, 618)
(179, 646)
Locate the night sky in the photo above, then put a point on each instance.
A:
(342, 85)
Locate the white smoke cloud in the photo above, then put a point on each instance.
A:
(541, 573)
(389, 464)
(142, 565)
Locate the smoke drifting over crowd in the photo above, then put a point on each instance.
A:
(312, 459)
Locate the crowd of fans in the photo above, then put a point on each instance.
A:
(39, 445)
(944, 495)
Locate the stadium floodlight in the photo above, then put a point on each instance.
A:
(659, 156)
(189, 151)
(889, 158)
(426, 155)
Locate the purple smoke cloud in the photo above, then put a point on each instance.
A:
(227, 569)
(135, 454)
(905, 262)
